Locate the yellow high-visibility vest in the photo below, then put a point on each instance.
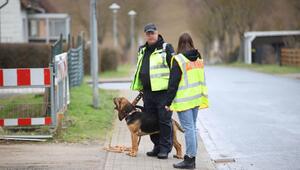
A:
(192, 90)
(159, 70)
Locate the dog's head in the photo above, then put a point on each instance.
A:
(123, 106)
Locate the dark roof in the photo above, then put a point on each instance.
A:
(38, 6)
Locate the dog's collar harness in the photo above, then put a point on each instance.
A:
(130, 113)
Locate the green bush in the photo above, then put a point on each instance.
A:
(24, 55)
(109, 59)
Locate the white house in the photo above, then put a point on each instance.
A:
(31, 21)
(11, 24)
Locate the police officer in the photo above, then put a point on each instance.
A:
(152, 77)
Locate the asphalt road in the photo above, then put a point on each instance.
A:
(254, 118)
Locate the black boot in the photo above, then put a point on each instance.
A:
(187, 163)
(162, 155)
(154, 152)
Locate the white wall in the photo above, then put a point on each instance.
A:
(11, 22)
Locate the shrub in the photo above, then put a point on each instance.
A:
(24, 55)
(109, 59)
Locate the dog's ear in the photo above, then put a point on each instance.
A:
(118, 107)
(116, 102)
(121, 115)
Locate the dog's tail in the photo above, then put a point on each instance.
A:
(178, 126)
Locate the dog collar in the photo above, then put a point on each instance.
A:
(130, 113)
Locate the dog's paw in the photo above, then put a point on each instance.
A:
(178, 156)
(132, 154)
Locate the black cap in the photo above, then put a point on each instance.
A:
(150, 28)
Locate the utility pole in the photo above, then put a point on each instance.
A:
(94, 52)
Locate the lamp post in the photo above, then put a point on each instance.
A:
(94, 52)
(114, 7)
(132, 15)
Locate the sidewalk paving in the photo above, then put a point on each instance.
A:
(121, 161)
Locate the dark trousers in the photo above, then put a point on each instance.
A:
(153, 103)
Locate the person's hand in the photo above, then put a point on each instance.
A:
(167, 108)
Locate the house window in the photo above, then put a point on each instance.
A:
(33, 28)
(47, 27)
(57, 27)
(37, 28)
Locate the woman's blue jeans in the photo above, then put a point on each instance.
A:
(188, 121)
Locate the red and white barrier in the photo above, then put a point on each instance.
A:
(26, 121)
(24, 77)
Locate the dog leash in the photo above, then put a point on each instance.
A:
(134, 102)
(137, 98)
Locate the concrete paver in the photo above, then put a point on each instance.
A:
(121, 161)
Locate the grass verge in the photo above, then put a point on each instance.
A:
(22, 106)
(88, 123)
(124, 70)
(271, 69)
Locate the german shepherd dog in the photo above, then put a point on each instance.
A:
(142, 123)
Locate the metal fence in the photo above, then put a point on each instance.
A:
(59, 91)
(75, 62)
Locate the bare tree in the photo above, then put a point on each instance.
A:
(220, 22)
(103, 19)
(296, 5)
(224, 19)
(245, 15)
